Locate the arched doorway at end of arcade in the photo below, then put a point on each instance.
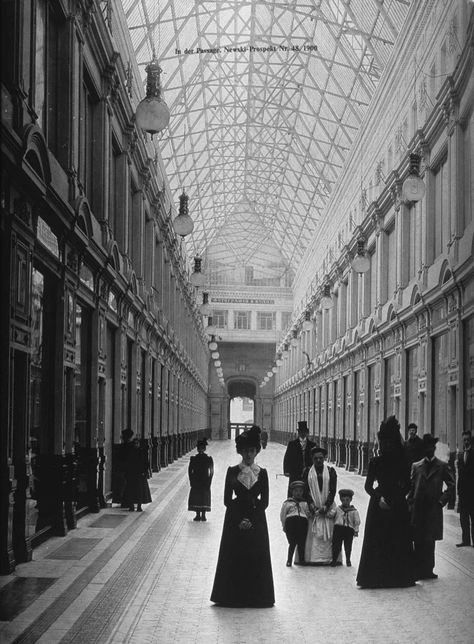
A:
(241, 406)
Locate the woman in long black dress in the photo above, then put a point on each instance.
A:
(387, 551)
(244, 570)
(200, 472)
(137, 471)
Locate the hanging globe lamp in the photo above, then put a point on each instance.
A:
(183, 224)
(413, 188)
(152, 114)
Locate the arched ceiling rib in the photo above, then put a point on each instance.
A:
(266, 98)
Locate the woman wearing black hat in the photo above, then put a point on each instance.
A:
(387, 551)
(244, 570)
(200, 472)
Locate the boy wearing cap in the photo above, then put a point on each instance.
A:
(294, 518)
(346, 527)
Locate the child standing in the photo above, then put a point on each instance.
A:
(346, 527)
(200, 472)
(294, 518)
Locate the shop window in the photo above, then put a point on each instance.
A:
(41, 393)
(391, 263)
(414, 241)
(87, 277)
(372, 404)
(390, 404)
(242, 319)
(440, 387)
(46, 69)
(265, 320)
(89, 139)
(440, 205)
(469, 375)
(412, 408)
(116, 195)
(82, 362)
(219, 319)
(357, 407)
(373, 281)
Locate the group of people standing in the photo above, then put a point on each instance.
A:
(408, 487)
(404, 518)
(309, 476)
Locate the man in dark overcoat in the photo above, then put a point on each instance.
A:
(298, 454)
(413, 446)
(426, 500)
(465, 467)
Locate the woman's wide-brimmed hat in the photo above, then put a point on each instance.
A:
(390, 430)
(249, 438)
(318, 450)
(202, 442)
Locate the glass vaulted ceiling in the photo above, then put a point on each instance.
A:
(266, 99)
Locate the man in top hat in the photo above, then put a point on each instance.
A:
(298, 454)
(466, 490)
(426, 500)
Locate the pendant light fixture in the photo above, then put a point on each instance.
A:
(308, 323)
(210, 329)
(326, 300)
(294, 339)
(360, 262)
(152, 114)
(183, 224)
(197, 278)
(413, 188)
(212, 344)
(205, 308)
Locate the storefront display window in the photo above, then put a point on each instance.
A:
(390, 405)
(372, 404)
(469, 375)
(37, 293)
(82, 391)
(412, 407)
(440, 387)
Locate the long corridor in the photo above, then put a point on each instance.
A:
(123, 577)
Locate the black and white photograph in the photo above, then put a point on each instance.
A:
(237, 322)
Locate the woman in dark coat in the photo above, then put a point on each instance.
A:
(137, 471)
(200, 472)
(244, 570)
(387, 551)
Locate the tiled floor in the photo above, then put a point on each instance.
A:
(129, 577)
